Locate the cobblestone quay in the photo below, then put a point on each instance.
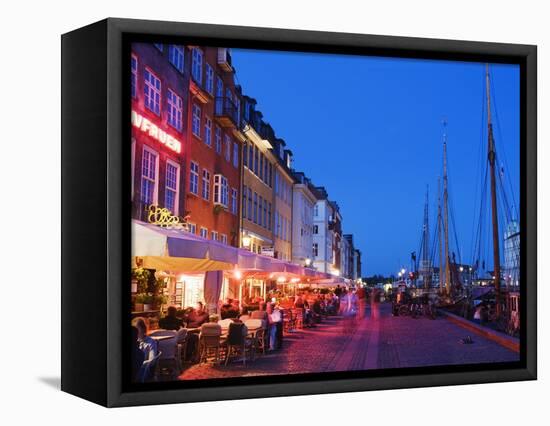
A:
(377, 341)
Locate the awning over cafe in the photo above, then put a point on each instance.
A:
(158, 248)
(179, 251)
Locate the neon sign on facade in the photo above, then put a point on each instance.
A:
(155, 132)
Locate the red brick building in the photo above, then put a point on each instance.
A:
(186, 137)
(159, 125)
(214, 138)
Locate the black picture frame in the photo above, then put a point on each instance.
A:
(96, 204)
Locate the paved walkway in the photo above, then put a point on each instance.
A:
(377, 341)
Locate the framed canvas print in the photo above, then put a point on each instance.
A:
(253, 212)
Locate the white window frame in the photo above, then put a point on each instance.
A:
(134, 79)
(192, 227)
(235, 155)
(196, 121)
(155, 180)
(208, 131)
(176, 189)
(221, 190)
(209, 83)
(227, 148)
(203, 232)
(234, 201)
(194, 189)
(176, 56)
(175, 109)
(214, 235)
(223, 238)
(218, 138)
(196, 64)
(152, 94)
(206, 185)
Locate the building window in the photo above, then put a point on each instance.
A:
(249, 203)
(255, 218)
(204, 232)
(245, 191)
(196, 65)
(194, 178)
(223, 238)
(209, 79)
(218, 139)
(315, 249)
(234, 205)
(151, 91)
(256, 159)
(316, 210)
(171, 191)
(175, 109)
(192, 228)
(227, 148)
(220, 190)
(196, 127)
(265, 214)
(208, 131)
(245, 154)
(315, 229)
(219, 87)
(261, 167)
(206, 184)
(214, 236)
(134, 64)
(176, 56)
(250, 157)
(260, 201)
(269, 216)
(149, 177)
(235, 155)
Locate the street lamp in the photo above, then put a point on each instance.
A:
(308, 261)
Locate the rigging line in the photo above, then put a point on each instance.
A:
(479, 233)
(480, 165)
(453, 223)
(502, 145)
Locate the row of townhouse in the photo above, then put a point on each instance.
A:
(202, 150)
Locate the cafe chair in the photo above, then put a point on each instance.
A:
(238, 343)
(181, 339)
(149, 370)
(170, 360)
(258, 328)
(210, 343)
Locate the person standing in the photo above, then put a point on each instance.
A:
(374, 304)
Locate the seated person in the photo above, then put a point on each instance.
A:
(137, 355)
(171, 321)
(197, 317)
(229, 310)
(149, 349)
(260, 314)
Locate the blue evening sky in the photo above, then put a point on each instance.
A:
(369, 130)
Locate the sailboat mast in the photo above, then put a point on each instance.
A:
(439, 220)
(492, 155)
(446, 216)
(426, 267)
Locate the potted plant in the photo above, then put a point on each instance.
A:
(142, 277)
(143, 302)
